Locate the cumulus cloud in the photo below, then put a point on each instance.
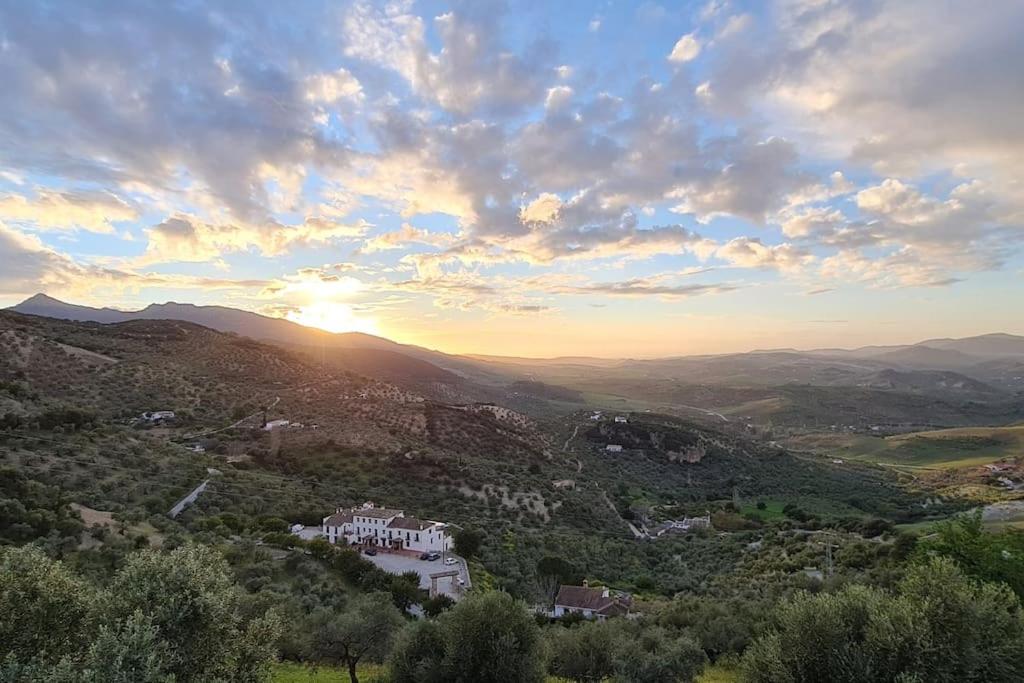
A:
(407, 234)
(747, 252)
(95, 211)
(185, 238)
(686, 49)
(909, 86)
(472, 70)
(330, 88)
(30, 266)
(167, 95)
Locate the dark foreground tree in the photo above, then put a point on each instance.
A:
(486, 638)
(363, 632)
(166, 616)
(940, 626)
(624, 651)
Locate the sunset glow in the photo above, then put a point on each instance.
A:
(333, 317)
(525, 178)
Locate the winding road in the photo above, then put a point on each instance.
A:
(188, 500)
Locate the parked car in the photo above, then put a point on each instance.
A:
(433, 556)
(370, 551)
(424, 556)
(462, 581)
(450, 561)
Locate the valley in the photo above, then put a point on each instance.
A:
(660, 479)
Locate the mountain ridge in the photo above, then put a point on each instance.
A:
(290, 332)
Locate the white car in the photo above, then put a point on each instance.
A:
(450, 561)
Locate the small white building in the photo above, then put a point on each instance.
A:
(621, 419)
(684, 525)
(158, 415)
(613, 448)
(274, 424)
(386, 528)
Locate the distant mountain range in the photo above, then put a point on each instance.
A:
(972, 367)
(944, 382)
(935, 353)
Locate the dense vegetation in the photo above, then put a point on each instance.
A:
(102, 582)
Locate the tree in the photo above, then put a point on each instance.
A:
(44, 607)
(939, 626)
(582, 653)
(623, 651)
(485, 638)
(418, 655)
(468, 541)
(653, 655)
(490, 637)
(979, 553)
(129, 652)
(189, 597)
(434, 606)
(405, 590)
(166, 617)
(364, 631)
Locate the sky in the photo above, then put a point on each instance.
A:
(525, 178)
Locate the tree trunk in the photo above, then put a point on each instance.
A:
(352, 671)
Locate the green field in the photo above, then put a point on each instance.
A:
(944, 448)
(772, 509)
(291, 672)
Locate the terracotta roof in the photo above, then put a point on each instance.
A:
(409, 523)
(338, 518)
(582, 597)
(376, 513)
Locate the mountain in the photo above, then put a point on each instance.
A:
(48, 307)
(430, 373)
(220, 318)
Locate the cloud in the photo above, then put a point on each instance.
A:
(750, 179)
(408, 234)
(472, 71)
(30, 267)
(643, 287)
(166, 95)
(185, 238)
(748, 252)
(332, 87)
(908, 86)
(95, 211)
(558, 98)
(686, 49)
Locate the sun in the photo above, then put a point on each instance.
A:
(333, 317)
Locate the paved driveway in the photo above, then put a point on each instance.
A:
(397, 564)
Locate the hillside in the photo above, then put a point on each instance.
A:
(946, 448)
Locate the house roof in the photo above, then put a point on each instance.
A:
(582, 597)
(338, 518)
(377, 513)
(409, 523)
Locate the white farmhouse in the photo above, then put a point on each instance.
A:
(591, 603)
(386, 528)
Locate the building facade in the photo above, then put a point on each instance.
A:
(369, 525)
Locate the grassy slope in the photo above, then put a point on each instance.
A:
(945, 448)
(291, 672)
